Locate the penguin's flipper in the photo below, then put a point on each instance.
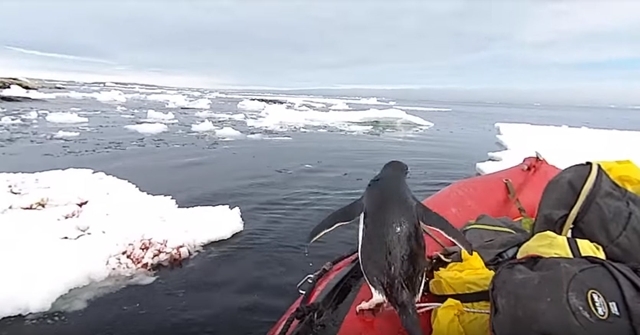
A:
(435, 221)
(336, 219)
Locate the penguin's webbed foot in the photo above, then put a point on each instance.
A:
(374, 305)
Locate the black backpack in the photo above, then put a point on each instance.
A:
(585, 200)
(562, 296)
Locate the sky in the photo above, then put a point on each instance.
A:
(591, 46)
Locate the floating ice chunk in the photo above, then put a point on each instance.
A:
(126, 116)
(561, 146)
(153, 115)
(358, 129)
(204, 126)
(180, 101)
(17, 91)
(9, 120)
(197, 104)
(64, 117)
(251, 105)
(262, 137)
(63, 134)
(340, 106)
(169, 98)
(205, 114)
(108, 96)
(102, 96)
(228, 132)
(121, 108)
(148, 128)
(426, 109)
(277, 116)
(92, 228)
(31, 115)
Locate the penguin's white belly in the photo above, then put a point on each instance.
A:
(377, 295)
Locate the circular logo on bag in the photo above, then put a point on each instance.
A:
(598, 304)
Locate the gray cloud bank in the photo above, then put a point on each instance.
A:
(506, 46)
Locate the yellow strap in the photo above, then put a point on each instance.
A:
(488, 227)
(586, 188)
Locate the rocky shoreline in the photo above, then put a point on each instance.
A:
(26, 84)
(6, 83)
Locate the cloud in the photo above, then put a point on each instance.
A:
(321, 43)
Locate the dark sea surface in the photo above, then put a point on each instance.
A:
(243, 285)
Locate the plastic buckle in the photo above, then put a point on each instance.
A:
(308, 278)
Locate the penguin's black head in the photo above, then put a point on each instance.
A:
(395, 168)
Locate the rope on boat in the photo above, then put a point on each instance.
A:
(305, 309)
(427, 306)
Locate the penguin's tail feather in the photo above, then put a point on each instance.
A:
(408, 314)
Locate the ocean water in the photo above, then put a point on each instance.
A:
(285, 179)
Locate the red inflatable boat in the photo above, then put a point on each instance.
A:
(330, 296)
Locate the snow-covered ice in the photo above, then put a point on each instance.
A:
(315, 101)
(228, 132)
(277, 116)
(206, 114)
(251, 105)
(203, 126)
(31, 115)
(561, 146)
(263, 137)
(195, 104)
(17, 91)
(65, 117)
(340, 106)
(65, 229)
(180, 101)
(64, 134)
(148, 128)
(159, 116)
(110, 96)
(285, 113)
(6, 120)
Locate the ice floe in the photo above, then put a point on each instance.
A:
(340, 106)
(7, 120)
(207, 114)
(148, 128)
(66, 229)
(561, 146)
(203, 126)
(180, 101)
(251, 105)
(65, 117)
(277, 117)
(228, 132)
(30, 116)
(160, 116)
(65, 134)
(19, 92)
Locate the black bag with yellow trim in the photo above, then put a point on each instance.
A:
(460, 281)
(598, 201)
(562, 285)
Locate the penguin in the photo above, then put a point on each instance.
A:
(391, 247)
